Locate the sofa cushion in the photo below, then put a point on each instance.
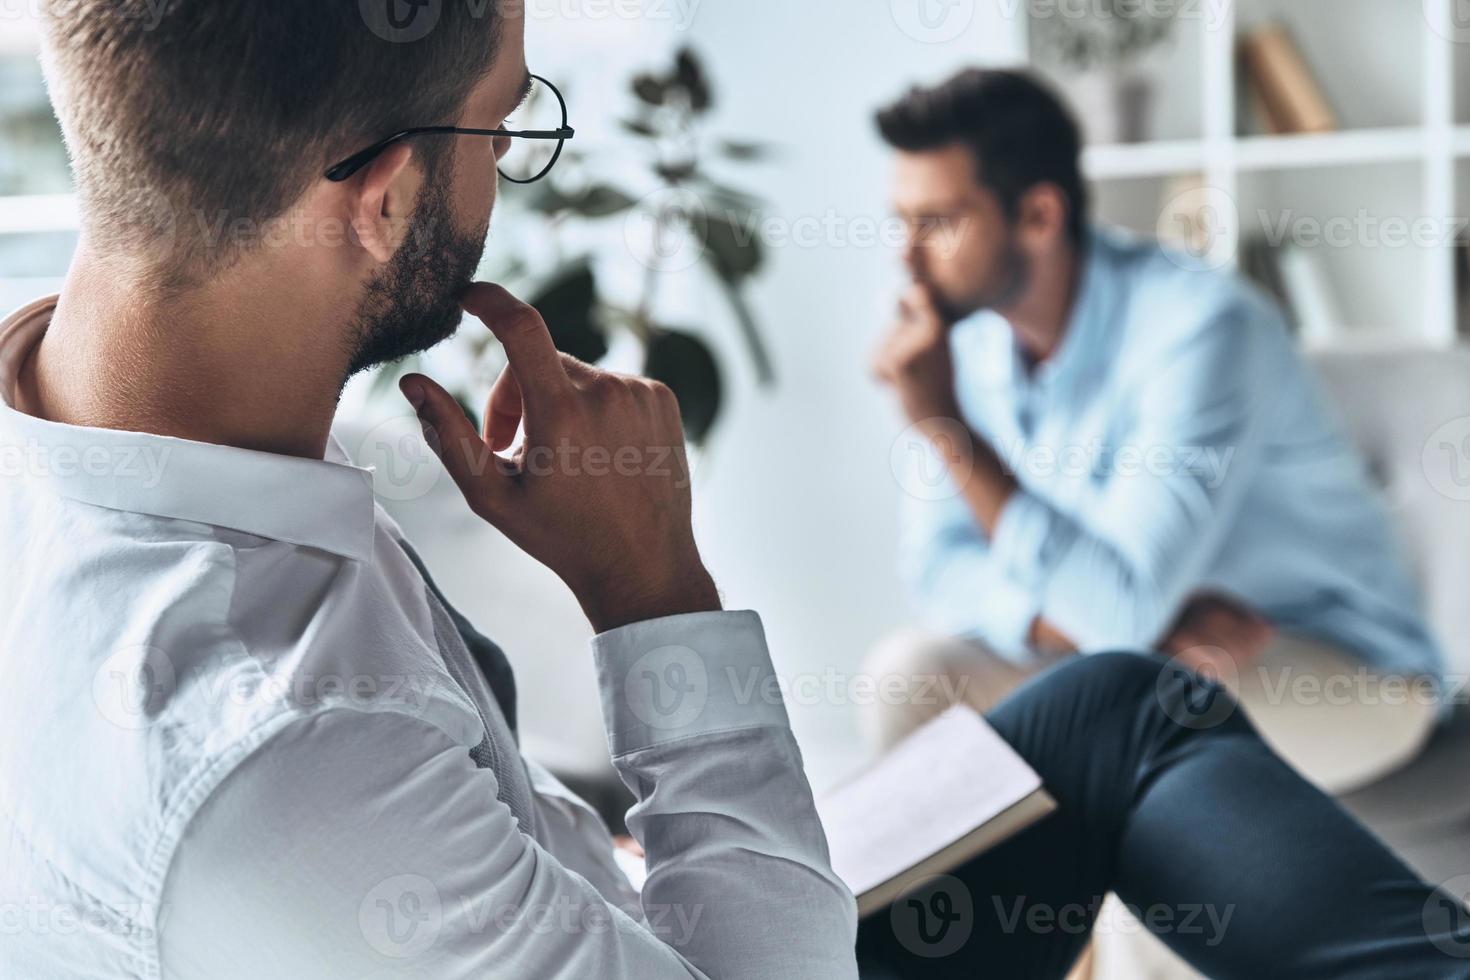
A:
(1426, 799)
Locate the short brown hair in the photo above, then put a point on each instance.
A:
(1018, 129)
(224, 110)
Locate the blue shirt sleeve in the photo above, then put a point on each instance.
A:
(953, 580)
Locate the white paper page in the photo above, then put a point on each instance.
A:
(947, 778)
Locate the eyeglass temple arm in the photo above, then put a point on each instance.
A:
(357, 161)
(362, 158)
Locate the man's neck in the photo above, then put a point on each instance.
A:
(1040, 315)
(252, 360)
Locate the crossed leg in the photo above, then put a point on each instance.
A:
(1168, 797)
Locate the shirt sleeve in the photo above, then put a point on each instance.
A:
(356, 844)
(1115, 573)
(953, 579)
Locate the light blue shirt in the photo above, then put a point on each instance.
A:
(1174, 443)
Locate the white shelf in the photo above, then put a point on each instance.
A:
(1371, 341)
(1402, 128)
(1331, 149)
(1167, 158)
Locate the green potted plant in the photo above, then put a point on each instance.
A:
(1100, 48)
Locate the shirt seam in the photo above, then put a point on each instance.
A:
(199, 787)
(135, 926)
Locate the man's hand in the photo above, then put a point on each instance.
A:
(1212, 626)
(599, 489)
(1046, 639)
(914, 358)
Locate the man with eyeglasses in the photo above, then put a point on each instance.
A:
(241, 732)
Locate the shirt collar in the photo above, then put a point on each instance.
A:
(319, 503)
(1089, 315)
(1086, 327)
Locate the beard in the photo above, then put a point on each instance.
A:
(413, 303)
(1012, 276)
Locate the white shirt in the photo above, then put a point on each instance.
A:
(236, 738)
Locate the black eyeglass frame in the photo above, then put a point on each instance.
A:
(346, 168)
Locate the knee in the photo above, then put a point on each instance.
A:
(1118, 672)
(1149, 689)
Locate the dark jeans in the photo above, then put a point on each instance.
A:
(1168, 797)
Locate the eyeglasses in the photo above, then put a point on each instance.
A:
(532, 160)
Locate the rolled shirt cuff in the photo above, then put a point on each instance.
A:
(680, 677)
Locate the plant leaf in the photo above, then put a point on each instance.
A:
(650, 89)
(686, 364)
(568, 304)
(470, 412)
(687, 68)
(689, 73)
(638, 126)
(676, 173)
(600, 201)
(744, 150)
(544, 198)
(734, 248)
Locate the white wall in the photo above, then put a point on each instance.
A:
(796, 505)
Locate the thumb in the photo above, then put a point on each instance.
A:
(449, 432)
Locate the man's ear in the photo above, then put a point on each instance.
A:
(1043, 214)
(384, 194)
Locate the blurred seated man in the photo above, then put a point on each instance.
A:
(1128, 452)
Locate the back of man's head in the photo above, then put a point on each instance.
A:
(185, 117)
(1018, 130)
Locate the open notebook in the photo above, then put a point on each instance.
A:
(948, 792)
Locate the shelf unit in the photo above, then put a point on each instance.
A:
(1396, 126)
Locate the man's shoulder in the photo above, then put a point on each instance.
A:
(288, 633)
(1157, 272)
(191, 652)
(1171, 298)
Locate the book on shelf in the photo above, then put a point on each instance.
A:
(1313, 300)
(1296, 277)
(947, 793)
(1281, 89)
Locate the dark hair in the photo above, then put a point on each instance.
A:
(230, 109)
(1019, 131)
